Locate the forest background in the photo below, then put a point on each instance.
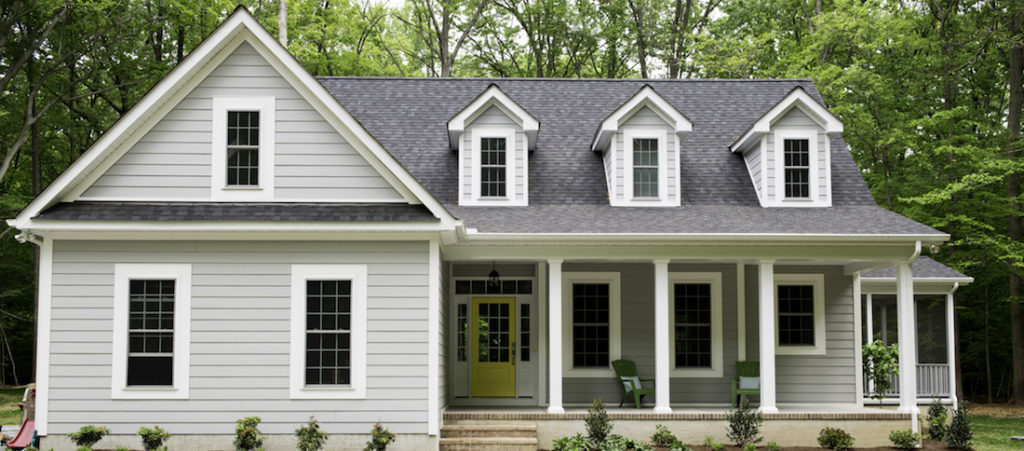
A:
(929, 91)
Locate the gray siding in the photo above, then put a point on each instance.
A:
(645, 118)
(312, 161)
(753, 160)
(494, 116)
(239, 337)
(795, 118)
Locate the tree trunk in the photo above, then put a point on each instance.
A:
(1013, 192)
(988, 354)
(282, 22)
(641, 43)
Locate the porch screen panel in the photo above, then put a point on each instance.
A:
(590, 330)
(328, 332)
(693, 325)
(796, 315)
(150, 332)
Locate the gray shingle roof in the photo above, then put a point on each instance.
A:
(209, 211)
(568, 192)
(923, 268)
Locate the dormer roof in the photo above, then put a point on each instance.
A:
(645, 97)
(493, 96)
(797, 98)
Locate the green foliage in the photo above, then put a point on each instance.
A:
(311, 438)
(717, 446)
(662, 436)
(247, 436)
(122, 448)
(88, 435)
(880, 363)
(153, 438)
(772, 446)
(598, 424)
(83, 448)
(617, 442)
(835, 439)
(960, 434)
(744, 424)
(905, 439)
(575, 443)
(380, 438)
(936, 420)
(750, 447)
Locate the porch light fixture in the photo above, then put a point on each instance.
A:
(493, 279)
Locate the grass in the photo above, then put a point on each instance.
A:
(993, 433)
(10, 413)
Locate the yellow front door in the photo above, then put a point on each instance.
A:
(494, 356)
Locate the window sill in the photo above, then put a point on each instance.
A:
(695, 372)
(242, 188)
(154, 392)
(587, 372)
(328, 392)
(799, 350)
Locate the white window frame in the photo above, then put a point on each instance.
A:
(182, 276)
(715, 280)
(357, 274)
(628, 135)
(817, 281)
(512, 153)
(219, 187)
(613, 279)
(814, 152)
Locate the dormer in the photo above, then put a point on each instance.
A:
(493, 136)
(787, 152)
(640, 145)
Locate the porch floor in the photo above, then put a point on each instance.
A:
(679, 412)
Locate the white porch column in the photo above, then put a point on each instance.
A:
(907, 337)
(555, 336)
(858, 354)
(661, 338)
(871, 336)
(741, 312)
(951, 345)
(766, 333)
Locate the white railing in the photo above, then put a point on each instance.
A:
(932, 382)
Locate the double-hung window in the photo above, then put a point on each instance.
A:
(797, 168)
(800, 310)
(242, 166)
(151, 331)
(696, 324)
(328, 332)
(591, 323)
(492, 167)
(645, 167)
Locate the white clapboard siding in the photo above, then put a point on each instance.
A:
(239, 337)
(173, 160)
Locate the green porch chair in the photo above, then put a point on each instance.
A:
(625, 372)
(747, 381)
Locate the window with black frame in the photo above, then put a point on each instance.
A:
(692, 325)
(151, 333)
(591, 310)
(328, 332)
(243, 148)
(796, 315)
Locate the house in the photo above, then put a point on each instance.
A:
(251, 240)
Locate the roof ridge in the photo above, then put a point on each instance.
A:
(550, 79)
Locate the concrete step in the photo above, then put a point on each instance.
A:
(489, 430)
(488, 444)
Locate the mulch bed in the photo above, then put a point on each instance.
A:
(928, 444)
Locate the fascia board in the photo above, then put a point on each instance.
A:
(471, 234)
(45, 226)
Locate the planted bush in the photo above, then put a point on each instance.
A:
(905, 439)
(663, 437)
(880, 363)
(598, 424)
(750, 447)
(380, 438)
(620, 443)
(153, 438)
(574, 443)
(772, 446)
(960, 433)
(311, 438)
(247, 436)
(744, 425)
(936, 419)
(88, 435)
(835, 439)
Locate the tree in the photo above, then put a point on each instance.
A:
(442, 27)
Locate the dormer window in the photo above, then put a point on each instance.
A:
(242, 166)
(645, 167)
(797, 161)
(492, 167)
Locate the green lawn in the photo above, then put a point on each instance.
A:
(993, 433)
(9, 413)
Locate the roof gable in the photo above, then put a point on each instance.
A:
(646, 97)
(492, 97)
(797, 98)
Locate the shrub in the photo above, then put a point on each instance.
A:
(905, 439)
(663, 437)
(710, 442)
(772, 446)
(153, 439)
(717, 446)
(575, 443)
(880, 363)
(750, 447)
(620, 443)
(679, 446)
(88, 435)
(122, 448)
(937, 421)
(311, 438)
(598, 424)
(744, 425)
(835, 439)
(380, 437)
(959, 433)
(247, 436)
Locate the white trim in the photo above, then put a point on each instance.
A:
(645, 97)
(766, 318)
(542, 332)
(219, 190)
(906, 332)
(741, 312)
(662, 338)
(818, 282)
(664, 199)
(492, 96)
(433, 338)
(797, 98)
(182, 275)
(166, 227)
(814, 172)
(360, 200)
(613, 279)
(512, 151)
(43, 336)
(951, 344)
(715, 280)
(555, 305)
(858, 360)
(297, 388)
